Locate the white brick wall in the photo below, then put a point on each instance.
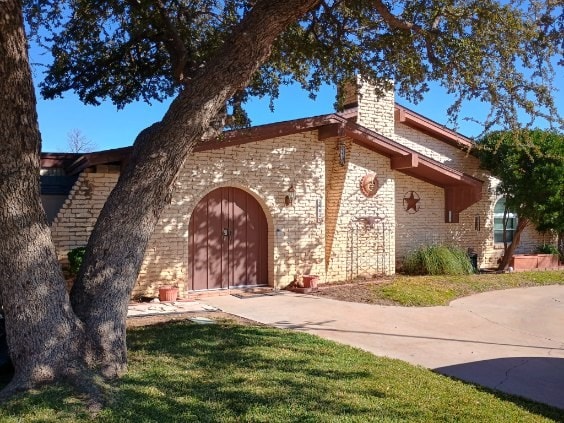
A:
(338, 246)
(428, 225)
(77, 217)
(376, 113)
(266, 169)
(355, 249)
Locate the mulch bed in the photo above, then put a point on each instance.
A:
(356, 292)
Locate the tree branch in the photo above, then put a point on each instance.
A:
(122, 231)
(394, 22)
(175, 44)
(170, 38)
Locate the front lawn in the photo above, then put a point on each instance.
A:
(182, 372)
(435, 290)
(440, 290)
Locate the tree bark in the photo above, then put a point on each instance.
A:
(45, 338)
(509, 250)
(117, 244)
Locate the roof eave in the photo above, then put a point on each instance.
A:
(429, 127)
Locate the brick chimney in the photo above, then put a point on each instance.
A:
(375, 112)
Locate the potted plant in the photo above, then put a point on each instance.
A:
(168, 293)
(304, 284)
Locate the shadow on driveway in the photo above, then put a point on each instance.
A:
(537, 378)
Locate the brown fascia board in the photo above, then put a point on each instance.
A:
(441, 175)
(434, 129)
(57, 160)
(374, 141)
(268, 131)
(402, 158)
(113, 156)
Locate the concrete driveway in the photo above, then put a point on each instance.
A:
(510, 340)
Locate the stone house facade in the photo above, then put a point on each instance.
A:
(342, 196)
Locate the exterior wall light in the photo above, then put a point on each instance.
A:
(342, 148)
(477, 223)
(290, 196)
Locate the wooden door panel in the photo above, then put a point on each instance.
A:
(198, 247)
(228, 241)
(214, 240)
(239, 246)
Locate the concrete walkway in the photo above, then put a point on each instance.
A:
(174, 307)
(510, 340)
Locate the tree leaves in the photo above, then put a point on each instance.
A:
(502, 54)
(530, 165)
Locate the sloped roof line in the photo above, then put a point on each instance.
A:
(360, 134)
(422, 123)
(430, 127)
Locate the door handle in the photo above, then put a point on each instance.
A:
(227, 233)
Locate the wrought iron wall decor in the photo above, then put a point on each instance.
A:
(411, 202)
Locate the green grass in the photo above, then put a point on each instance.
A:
(440, 290)
(183, 372)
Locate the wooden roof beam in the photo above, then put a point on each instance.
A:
(407, 161)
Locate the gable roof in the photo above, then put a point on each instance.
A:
(461, 189)
(432, 128)
(421, 123)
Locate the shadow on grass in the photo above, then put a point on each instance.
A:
(236, 372)
(183, 372)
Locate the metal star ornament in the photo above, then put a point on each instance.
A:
(411, 202)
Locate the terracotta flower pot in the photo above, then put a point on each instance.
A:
(168, 293)
(310, 281)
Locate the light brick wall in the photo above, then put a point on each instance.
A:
(356, 249)
(530, 239)
(436, 149)
(376, 113)
(336, 242)
(77, 217)
(428, 225)
(265, 169)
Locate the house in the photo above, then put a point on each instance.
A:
(342, 196)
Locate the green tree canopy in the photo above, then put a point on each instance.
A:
(530, 165)
(501, 53)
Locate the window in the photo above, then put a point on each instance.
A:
(499, 211)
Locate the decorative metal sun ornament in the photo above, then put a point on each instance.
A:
(411, 202)
(369, 185)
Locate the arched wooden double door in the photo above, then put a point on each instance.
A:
(228, 241)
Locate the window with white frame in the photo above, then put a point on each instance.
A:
(499, 215)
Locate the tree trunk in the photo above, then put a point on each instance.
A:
(117, 245)
(560, 244)
(509, 250)
(45, 338)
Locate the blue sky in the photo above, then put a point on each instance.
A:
(108, 127)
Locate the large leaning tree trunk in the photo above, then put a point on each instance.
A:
(117, 244)
(509, 249)
(45, 337)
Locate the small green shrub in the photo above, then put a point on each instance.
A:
(76, 255)
(437, 260)
(547, 249)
